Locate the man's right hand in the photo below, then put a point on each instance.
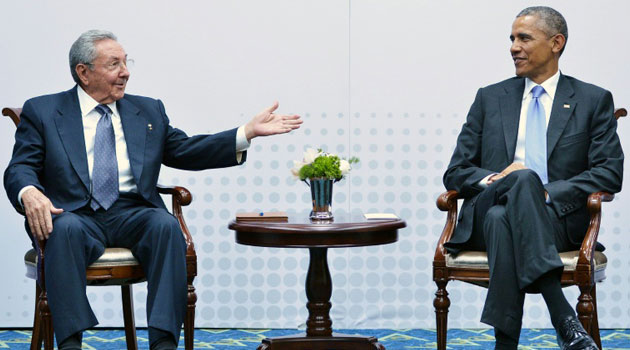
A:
(39, 210)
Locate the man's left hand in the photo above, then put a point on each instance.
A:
(507, 171)
(268, 123)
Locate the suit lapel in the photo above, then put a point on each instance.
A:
(70, 128)
(135, 129)
(510, 105)
(563, 107)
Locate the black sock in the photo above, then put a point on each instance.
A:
(73, 342)
(504, 341)
(161, 340)
(557, 304)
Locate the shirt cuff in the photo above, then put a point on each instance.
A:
(241, 140)
(484, 182)
(26, 188)
(241, 143)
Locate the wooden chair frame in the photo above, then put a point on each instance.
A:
(584, 275)
(124, 275)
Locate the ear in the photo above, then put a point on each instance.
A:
(82, 72)
(558, 42)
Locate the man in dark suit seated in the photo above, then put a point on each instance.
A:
(84, 170)
(531, 151)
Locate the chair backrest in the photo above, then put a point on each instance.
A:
(13, 113)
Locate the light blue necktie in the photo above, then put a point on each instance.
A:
(105, 170)
(536, 137)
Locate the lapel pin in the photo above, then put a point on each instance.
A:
(567, 106)
(151, 126)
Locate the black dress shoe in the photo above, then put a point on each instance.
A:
(572, 336)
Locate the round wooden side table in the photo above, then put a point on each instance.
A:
(318, 237)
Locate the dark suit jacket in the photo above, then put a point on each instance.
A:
(583, 150)
(49, 150)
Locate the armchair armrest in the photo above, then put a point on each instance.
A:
(181, 197)
(594, 205)
(447, 201)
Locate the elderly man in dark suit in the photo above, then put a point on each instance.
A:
(84, 170)
(532, 149)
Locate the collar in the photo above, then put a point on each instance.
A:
(87, 103)
(550, 85)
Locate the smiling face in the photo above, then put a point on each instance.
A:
(105, 78)
(534, 52)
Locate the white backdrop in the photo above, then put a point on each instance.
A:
(387, 81)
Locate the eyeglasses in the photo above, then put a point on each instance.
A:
(116, 65)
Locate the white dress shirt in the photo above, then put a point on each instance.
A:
(546, 99)
(90, 116)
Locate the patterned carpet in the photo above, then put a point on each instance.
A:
(392, 339)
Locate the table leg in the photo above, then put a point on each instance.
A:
(318, 292)
(319, 335)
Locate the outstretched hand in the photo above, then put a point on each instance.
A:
(268, 123)
(39, 210)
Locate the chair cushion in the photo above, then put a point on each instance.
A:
(479, 260)
(111, 257)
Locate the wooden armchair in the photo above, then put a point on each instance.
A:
(117, 266)
(584, 267)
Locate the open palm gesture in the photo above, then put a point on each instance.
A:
(268, 123)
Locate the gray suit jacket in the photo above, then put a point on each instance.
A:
(583, 150)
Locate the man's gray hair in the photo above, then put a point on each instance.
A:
(552, 21)
(83, 49)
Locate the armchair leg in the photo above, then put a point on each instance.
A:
(441, 304)
(36, 337)
(130, 325)
(189, 321)
(585, 307)
(46, 320)
(594, 332)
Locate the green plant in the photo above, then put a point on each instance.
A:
(318, 164)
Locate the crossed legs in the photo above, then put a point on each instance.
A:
(522, 235)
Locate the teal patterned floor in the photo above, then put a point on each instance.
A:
(392, 339)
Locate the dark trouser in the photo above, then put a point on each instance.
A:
(522, 235)
(79, 238)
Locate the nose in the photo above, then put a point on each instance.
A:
(124, 71)
(515, 47)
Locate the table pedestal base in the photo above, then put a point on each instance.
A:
(336, 342)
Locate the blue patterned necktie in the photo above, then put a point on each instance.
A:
(536, 136)
(105, 169)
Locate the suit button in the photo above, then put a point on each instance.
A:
(564, 210)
